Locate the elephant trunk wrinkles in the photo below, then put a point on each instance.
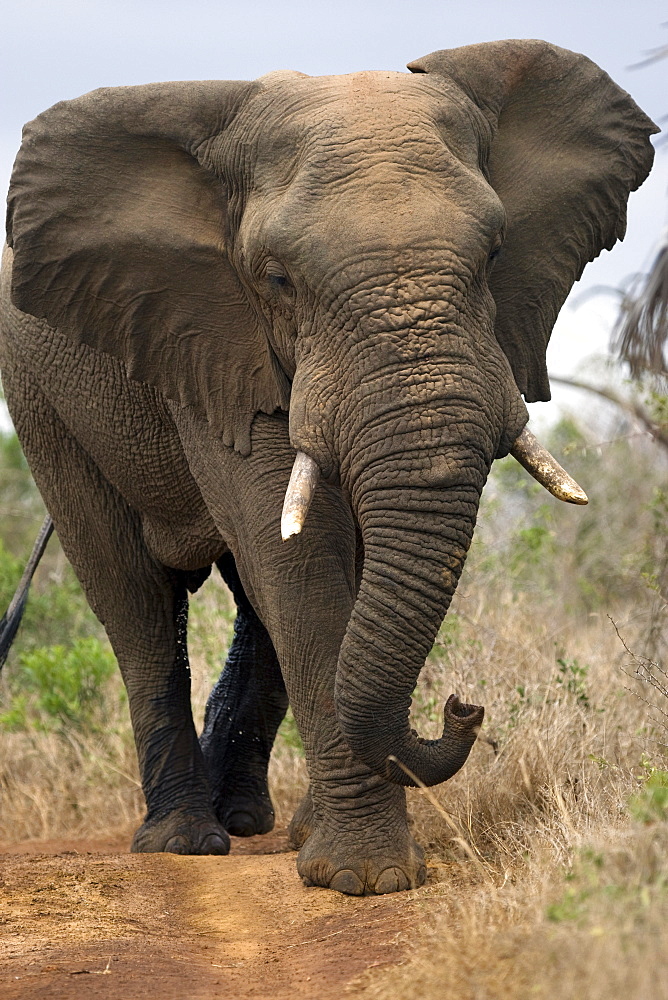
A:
(415, 439)
(415, 544)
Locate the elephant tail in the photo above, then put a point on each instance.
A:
(11, 619)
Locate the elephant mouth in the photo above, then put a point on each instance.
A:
(527, 450)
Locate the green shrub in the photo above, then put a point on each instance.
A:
(10, 574)
(573, 679)
(586, 560)
(57, 686)
(57, 611)
(650, 802)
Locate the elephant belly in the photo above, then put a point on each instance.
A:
(180, 544)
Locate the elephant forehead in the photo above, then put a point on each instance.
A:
(296, 116)
(374, 161)
(364, 90)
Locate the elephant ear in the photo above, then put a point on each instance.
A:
(118, 221)
(569, 146)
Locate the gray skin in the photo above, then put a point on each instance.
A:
(210, 276)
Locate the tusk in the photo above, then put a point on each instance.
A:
(303, 481)
(546, 470)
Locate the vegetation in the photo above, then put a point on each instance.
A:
(548, 851)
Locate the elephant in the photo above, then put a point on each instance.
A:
(285, 327)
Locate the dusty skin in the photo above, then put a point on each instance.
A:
(84, 918)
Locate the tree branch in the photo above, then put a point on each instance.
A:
(632, 406)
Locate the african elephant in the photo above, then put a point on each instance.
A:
(364, 270)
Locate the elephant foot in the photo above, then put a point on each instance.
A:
(338, 860)
(246, 815)
(301, 824)
(181, 833)
(246, 819)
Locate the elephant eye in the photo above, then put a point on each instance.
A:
(275, 275)
(278, 289)
(496, 249)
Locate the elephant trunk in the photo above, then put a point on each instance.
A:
(415, 544)
(413, 438)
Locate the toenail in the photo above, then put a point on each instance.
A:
(421, 875)
(241, 824)
(346, 881)
(214, 844)
(177, 845)
(391, 880)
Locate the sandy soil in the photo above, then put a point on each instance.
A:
(82, 919)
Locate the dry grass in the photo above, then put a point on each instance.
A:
(545, 886)
(549, 865)
(56, 786)
(600, 935)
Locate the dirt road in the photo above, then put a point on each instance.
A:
(82, 919)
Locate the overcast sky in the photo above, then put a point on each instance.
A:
(55, 49)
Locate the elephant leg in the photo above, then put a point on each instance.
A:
(352, 828)
(303, 590)
(243, 712)
(143, 606)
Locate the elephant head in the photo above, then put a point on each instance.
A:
(382, 254)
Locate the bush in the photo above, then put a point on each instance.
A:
(56, 687)
(591, 559)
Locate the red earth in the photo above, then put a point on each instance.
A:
(84, 918)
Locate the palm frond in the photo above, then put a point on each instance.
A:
(641, 332)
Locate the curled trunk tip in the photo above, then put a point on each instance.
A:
(414, 761)
(461, 725)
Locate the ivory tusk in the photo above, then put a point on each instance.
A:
(546, 470)
(303, 481)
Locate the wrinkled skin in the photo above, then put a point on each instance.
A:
(208, 277)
